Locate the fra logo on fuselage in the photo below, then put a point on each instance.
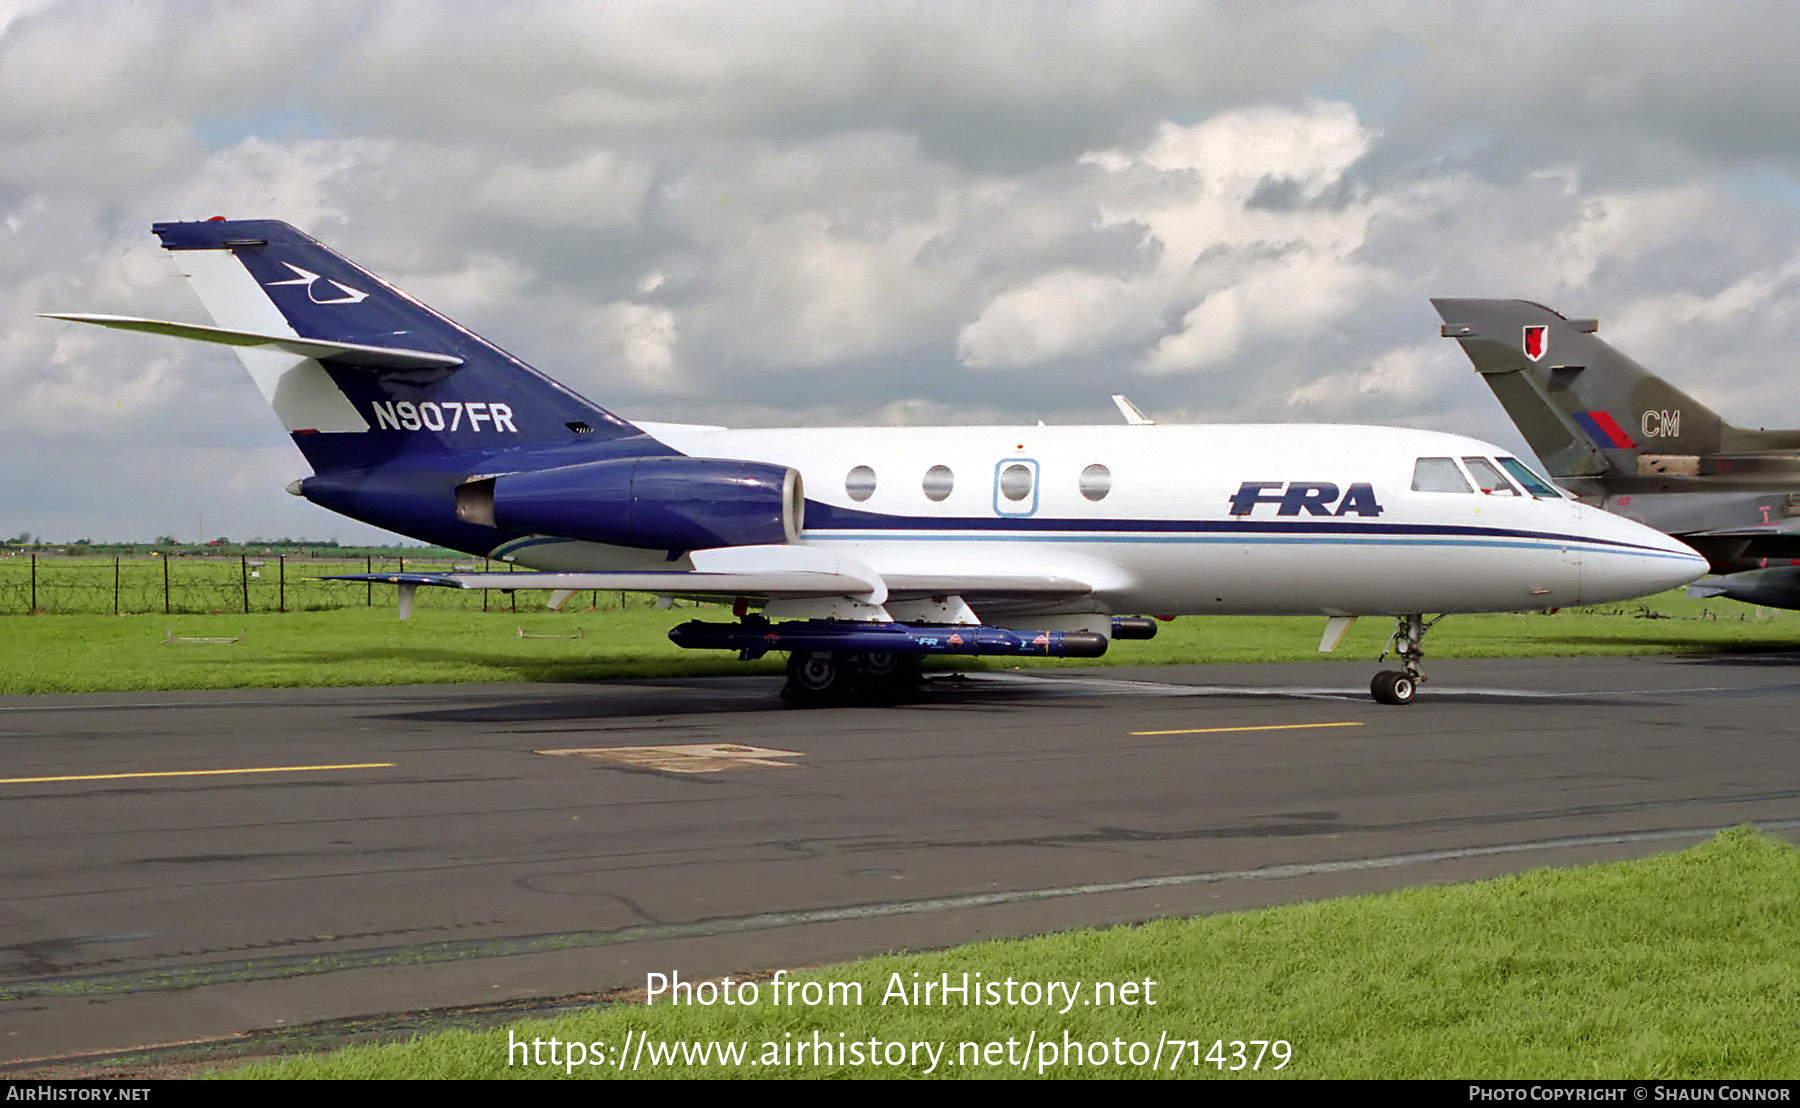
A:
(1313, 498)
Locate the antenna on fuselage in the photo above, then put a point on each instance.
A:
(1131, 413)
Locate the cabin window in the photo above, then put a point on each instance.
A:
(938, 482)
(860, 483)
(1534, 484)
(1096, 482)
(1015, 482)
(1487, 475)
(1438, 475)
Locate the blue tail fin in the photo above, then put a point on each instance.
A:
(360, 373)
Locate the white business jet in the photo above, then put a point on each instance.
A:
(858, 551)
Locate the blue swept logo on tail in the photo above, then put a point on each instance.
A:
(350, 295)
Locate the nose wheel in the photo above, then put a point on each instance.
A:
(1399, 686)
(1392, 686)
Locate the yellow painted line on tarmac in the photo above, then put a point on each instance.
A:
(1264, 727)
(191, 773)
(687, 758)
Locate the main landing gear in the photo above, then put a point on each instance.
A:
(818, 677)
(1398, 686)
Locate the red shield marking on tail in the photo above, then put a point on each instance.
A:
(1537, 339)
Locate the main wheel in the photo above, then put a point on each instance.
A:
(1393, 686)
(814, 677)
(884, 676)
(881, 664)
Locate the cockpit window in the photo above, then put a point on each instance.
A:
(1534, 484)
(1488, 477)
(1438, 475)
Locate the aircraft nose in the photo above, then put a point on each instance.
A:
(1631, 560)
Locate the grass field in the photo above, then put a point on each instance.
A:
(371, 646)
(197, 584)
(1682, 966)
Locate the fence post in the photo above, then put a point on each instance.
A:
(115, 584)
(369, 567)
(33, 585)
(244, 579)
(281, 576)
(165, 561)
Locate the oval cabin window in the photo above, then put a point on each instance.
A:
(1015, 482)
(1096, 482)
(860, 484)
(938, 482)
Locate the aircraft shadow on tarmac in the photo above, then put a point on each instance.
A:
(626, 699)
(1746, 658)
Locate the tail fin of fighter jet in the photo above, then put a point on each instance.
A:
(1584, 407)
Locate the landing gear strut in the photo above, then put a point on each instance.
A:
(817, 677)
(1398, 686)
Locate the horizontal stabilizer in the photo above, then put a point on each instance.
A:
(343, 353)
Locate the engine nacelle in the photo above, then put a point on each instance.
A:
(660, 503)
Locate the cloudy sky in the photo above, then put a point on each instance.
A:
(855, 213)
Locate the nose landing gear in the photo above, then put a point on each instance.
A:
(1398, 686)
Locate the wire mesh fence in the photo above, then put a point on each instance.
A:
(193, 585)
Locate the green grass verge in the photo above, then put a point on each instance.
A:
(1679, 966)
(364, 646)
(40, 654)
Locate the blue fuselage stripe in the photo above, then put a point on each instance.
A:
(1425, 538)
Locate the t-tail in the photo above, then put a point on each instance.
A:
(403, 415)
(360, 373)
(1597, 419)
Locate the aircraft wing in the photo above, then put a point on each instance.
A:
(683, 583)
(1783, 528)
(986, 587)
(768, 585)
(772, 572)
(1758, 544)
